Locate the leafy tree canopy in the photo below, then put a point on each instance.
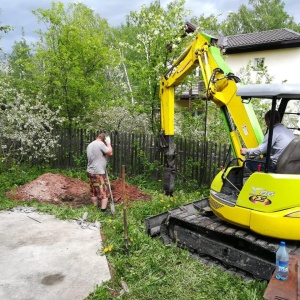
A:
(144, 42)
(73, 56)
(92, 71)
(259, 15)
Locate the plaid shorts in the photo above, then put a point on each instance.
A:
(98, 185)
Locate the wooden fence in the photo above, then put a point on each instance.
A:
(141, 154)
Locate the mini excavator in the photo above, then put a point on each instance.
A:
(251, 212)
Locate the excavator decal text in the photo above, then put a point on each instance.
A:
(260, 196)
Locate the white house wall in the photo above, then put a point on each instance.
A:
(282, 64)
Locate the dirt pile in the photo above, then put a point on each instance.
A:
(60, 189)
(131, 192)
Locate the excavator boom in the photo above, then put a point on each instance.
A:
(221, 85)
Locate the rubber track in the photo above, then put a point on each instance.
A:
(226, 242)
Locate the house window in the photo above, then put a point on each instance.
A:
(259, 63)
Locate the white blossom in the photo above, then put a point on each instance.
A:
(26, 126)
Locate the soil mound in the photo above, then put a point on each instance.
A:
(60, 189)
(131, 192)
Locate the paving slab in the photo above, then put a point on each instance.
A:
(42, 257)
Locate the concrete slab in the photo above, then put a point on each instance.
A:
(42, 257)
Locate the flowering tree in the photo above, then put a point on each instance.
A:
(120, 119)
(26, 127)
(149, 44)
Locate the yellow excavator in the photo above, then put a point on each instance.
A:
(252, 212)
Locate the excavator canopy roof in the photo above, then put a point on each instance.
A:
(290, 91)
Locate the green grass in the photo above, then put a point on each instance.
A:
(150, 269)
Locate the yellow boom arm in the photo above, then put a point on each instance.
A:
(220, 84)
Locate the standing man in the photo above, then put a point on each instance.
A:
(97, 152)
(282, 136)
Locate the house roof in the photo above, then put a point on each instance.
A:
(265, 40)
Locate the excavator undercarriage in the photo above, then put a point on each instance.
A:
(195, 228)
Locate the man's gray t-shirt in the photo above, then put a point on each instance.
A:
(96, 157)
(282, 136)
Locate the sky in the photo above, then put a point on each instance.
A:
(18, 13)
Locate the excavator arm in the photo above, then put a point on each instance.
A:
(221, 86)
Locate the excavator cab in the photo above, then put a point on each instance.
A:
(264, 202)
(284, 98)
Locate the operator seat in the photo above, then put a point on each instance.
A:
(289, 160)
